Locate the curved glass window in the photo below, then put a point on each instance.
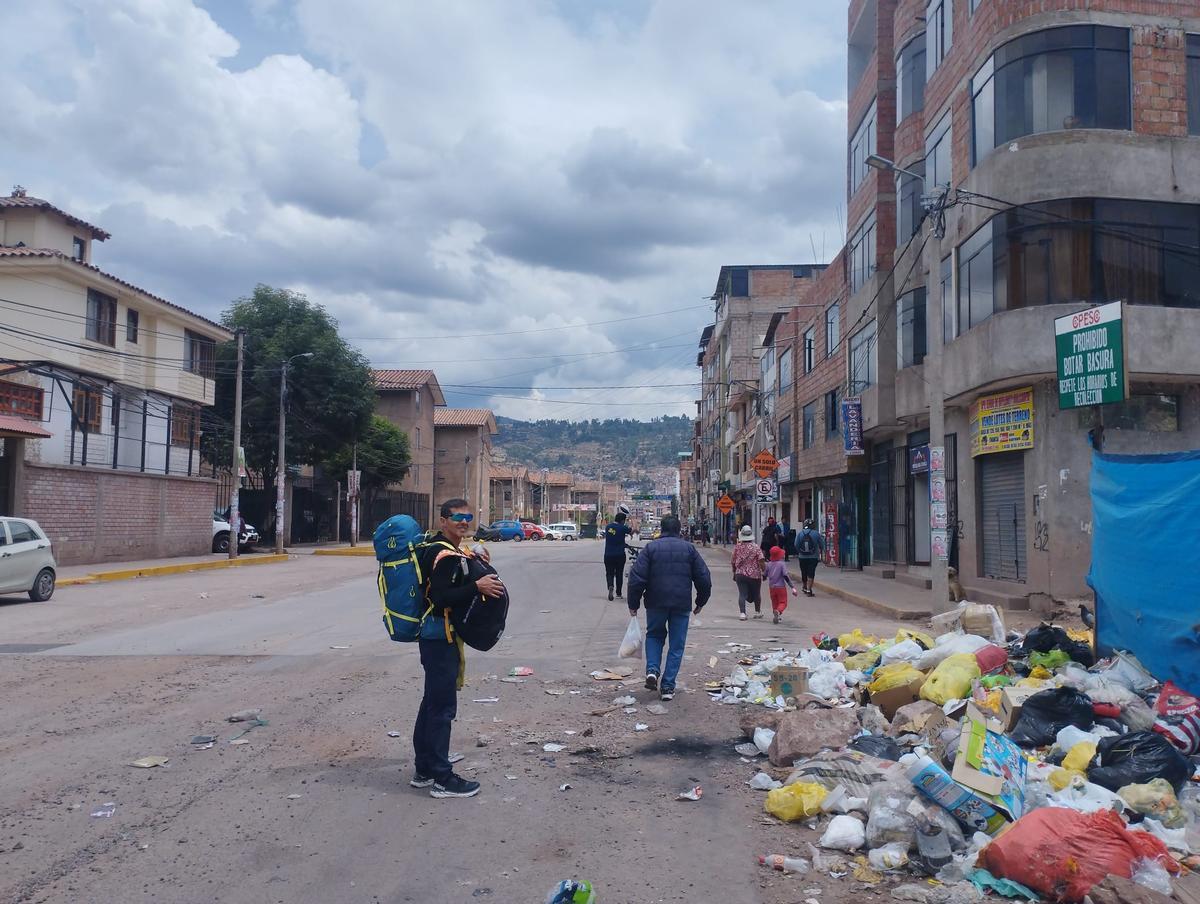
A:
(910, 329)
(1074, 77)
(910, 78)
(1079, 251)
(909, 212)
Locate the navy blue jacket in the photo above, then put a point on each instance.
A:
(665, 572)
(614, 540)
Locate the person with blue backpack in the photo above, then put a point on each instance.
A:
(430, 587)
(809, 547)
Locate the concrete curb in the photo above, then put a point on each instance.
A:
(866, 602)
(346, 551)
(123, 574)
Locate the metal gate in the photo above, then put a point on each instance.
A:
(1002, 515)
(881, 506)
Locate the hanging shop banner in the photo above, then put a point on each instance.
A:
(830, 529)
(852, 426)
(784, 474)
(1002, 422)
(1090, 349)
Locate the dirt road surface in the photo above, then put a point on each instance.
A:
(315, 806)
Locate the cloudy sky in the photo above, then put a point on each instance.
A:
(509, 172)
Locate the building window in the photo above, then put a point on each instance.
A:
(785, 370)
(937, 154)
(833, 411)
(975, 5)
(200, 355)
(833, 328)
(861, 259)
(1145, 412)
(809, 413)
(949, 312)
(976, 280)
(909, 211)
(78, 249)
(863, 365)
(939, 25)
(185, 425)
(910, 78)
(101, 317)
(785, 437)
(862, 146)
(1073, 77)
(417, 434)
(810, 344)
(1193, 84)
(131, 325)
(739, 282)
(87, 404)
(21, 400)
(910, 329)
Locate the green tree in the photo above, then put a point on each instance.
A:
(331, 395)
(383, 458)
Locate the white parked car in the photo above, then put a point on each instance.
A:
(220, 535)
(549, 534)
(26, 560)
(564, 530)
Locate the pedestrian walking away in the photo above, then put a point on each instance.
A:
(442, 655)
(810, 545)
(789, 541)
(779, 582)
(616, 541)
(664, 575)
(772, 536)
(748, 564)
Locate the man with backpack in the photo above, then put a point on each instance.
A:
(809, 547)
(443, 565)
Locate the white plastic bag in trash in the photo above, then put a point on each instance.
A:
(905, 651)
(764, 782)
(631, 645)
(947, 645)
(845, 833)
(763, 738)
(889, 856)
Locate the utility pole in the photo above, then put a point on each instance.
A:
(234, 513)
(354, 489)
(466, 471)
(281, 465)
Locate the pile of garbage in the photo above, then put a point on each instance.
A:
(991, 762)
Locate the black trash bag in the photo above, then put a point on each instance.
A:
(1045, 714)
(1137, 758)
(877, 746)
(1045, 638)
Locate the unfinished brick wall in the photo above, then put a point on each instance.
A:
(1160, 81)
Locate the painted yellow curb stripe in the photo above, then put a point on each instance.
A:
(346, 551)
(179, 568)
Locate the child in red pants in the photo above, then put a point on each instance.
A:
(778, 582)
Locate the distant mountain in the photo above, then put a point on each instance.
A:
(595, 448)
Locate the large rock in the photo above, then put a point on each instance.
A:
(805, 732)
(753, 717)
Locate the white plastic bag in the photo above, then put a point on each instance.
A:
(764, 782)
(845, 833)
(905, 651)
(631, 646)
(763, 738)
(1151, 874)
(947, 645)
(890, 856)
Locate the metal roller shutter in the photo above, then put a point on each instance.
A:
(1002, 515)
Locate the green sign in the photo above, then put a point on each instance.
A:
(1090, 348)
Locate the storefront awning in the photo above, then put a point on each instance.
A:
(11, 425)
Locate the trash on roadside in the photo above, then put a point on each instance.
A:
(238, 742)
(750, 750)
(565, 786)
(620, 673)
(783, 864)
(149, 762)
(656, 709)
(339, 646)
(244, 715)
(486, 700)
(1156, 799)
(554, 748)
(763, 738)
(520, 671)
(294, 796)
(764, 782)
(795, 801)
(844, 833)
(693, 794)
(394, 734)
(641, 726)
(571, 891)
(556, 691)
(104, 811)
(203, 741)
(627, 700)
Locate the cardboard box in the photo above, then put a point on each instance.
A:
(789, 681)
(892, 699)
(991, 766)
(1011, 701)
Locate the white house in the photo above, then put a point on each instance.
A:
(104, 391)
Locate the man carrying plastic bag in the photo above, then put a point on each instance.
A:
(665, 573)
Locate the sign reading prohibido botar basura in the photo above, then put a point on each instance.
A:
(1090, 348)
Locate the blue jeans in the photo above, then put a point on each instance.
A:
(439, 706)
(660, 623)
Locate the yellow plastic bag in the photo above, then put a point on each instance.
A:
(951, 680)
(796, 801)
(1062, 778)
(1031, 681)
(1079, 756)
(1041, 672)
(862, 661)
(923, 639)
(894, 674)
(856, 640)
(1157, 799)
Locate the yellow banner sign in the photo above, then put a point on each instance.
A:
(1002, 422)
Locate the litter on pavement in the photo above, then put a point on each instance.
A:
(104, 811)
(554, 748)
(996, 763)
(692, 793)
(149, 762)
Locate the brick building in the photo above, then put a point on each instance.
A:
(408, 398)
(462, 459)
(510, 492)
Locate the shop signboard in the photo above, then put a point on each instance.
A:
(1002, 422)
(830, 529)
(1089, 347)
(852, 427)
(918, 459)
(784, 474)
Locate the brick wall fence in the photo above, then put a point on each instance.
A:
(93, 515)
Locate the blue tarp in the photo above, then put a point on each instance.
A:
(1146, 560)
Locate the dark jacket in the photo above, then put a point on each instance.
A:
(772, 535)
(447, 586)
(665, 572)
(614, 540)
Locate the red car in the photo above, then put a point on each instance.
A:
(533, 531)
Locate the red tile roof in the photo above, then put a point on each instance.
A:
(28, 203)
(560, 478)
(54, 253)
(464, 417)
(409, 380)
(11, 425)
(508, 472)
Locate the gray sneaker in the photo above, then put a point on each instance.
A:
(454, 786)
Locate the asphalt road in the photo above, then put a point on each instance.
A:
(316, 806)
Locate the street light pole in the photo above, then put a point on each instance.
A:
(281, 465)
(234, 514)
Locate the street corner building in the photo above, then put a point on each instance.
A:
(104, 391)
(1009, 164)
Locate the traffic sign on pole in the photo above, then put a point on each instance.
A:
(725, 504)
(766, 489)
(764, 464)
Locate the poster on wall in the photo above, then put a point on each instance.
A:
(937, 488)
(938, 518)
(939, 544)
(1002, 422)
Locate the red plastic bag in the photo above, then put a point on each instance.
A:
(1062, 853)
(1178, 718)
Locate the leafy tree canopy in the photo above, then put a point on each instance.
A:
(383, 457)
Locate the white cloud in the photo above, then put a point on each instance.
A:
(530, 163)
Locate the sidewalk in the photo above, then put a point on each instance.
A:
(96, 572)
(889, 598)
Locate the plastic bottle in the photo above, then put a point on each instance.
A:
(784, 864)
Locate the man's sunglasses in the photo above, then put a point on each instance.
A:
(462, 517)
